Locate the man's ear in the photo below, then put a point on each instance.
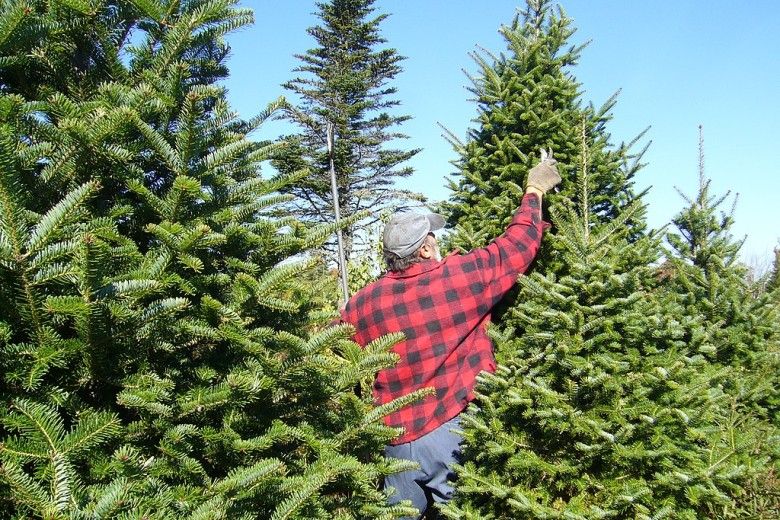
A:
(426, 251)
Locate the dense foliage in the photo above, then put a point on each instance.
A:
(164, 325)
(526, 99)
(152, 321)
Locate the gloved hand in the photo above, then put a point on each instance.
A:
(544, 176)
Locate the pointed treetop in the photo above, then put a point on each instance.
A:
(704, 230)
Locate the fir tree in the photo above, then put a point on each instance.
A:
(710, 281)
(345, 81)
(602, 407)
(153, 323)
(738, 325)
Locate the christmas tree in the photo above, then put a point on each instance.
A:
(706, 274)
(737, 326)
(152, 314)
(600, 409)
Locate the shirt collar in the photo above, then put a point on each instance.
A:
(416, 269)
(422, 267)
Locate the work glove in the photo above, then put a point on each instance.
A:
(544, 176)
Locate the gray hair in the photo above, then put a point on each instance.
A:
(395, 263)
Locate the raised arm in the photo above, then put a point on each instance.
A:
(499, 264)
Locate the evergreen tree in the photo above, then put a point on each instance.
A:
(345, 81)
(602, 406)
(527, 98)
(710, 281)
(153, 325)
(741, 328)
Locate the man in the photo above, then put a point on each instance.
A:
(442, 307)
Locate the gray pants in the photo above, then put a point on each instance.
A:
(436, 452)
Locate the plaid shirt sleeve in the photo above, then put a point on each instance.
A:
(498, 265)
(443, 309)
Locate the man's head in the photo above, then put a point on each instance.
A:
(408, 238)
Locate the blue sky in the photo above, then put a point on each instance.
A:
(677, 63)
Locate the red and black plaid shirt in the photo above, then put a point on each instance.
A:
(443, 308)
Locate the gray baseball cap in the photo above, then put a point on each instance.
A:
(406, 232)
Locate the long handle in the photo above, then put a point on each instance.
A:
(335, 193)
